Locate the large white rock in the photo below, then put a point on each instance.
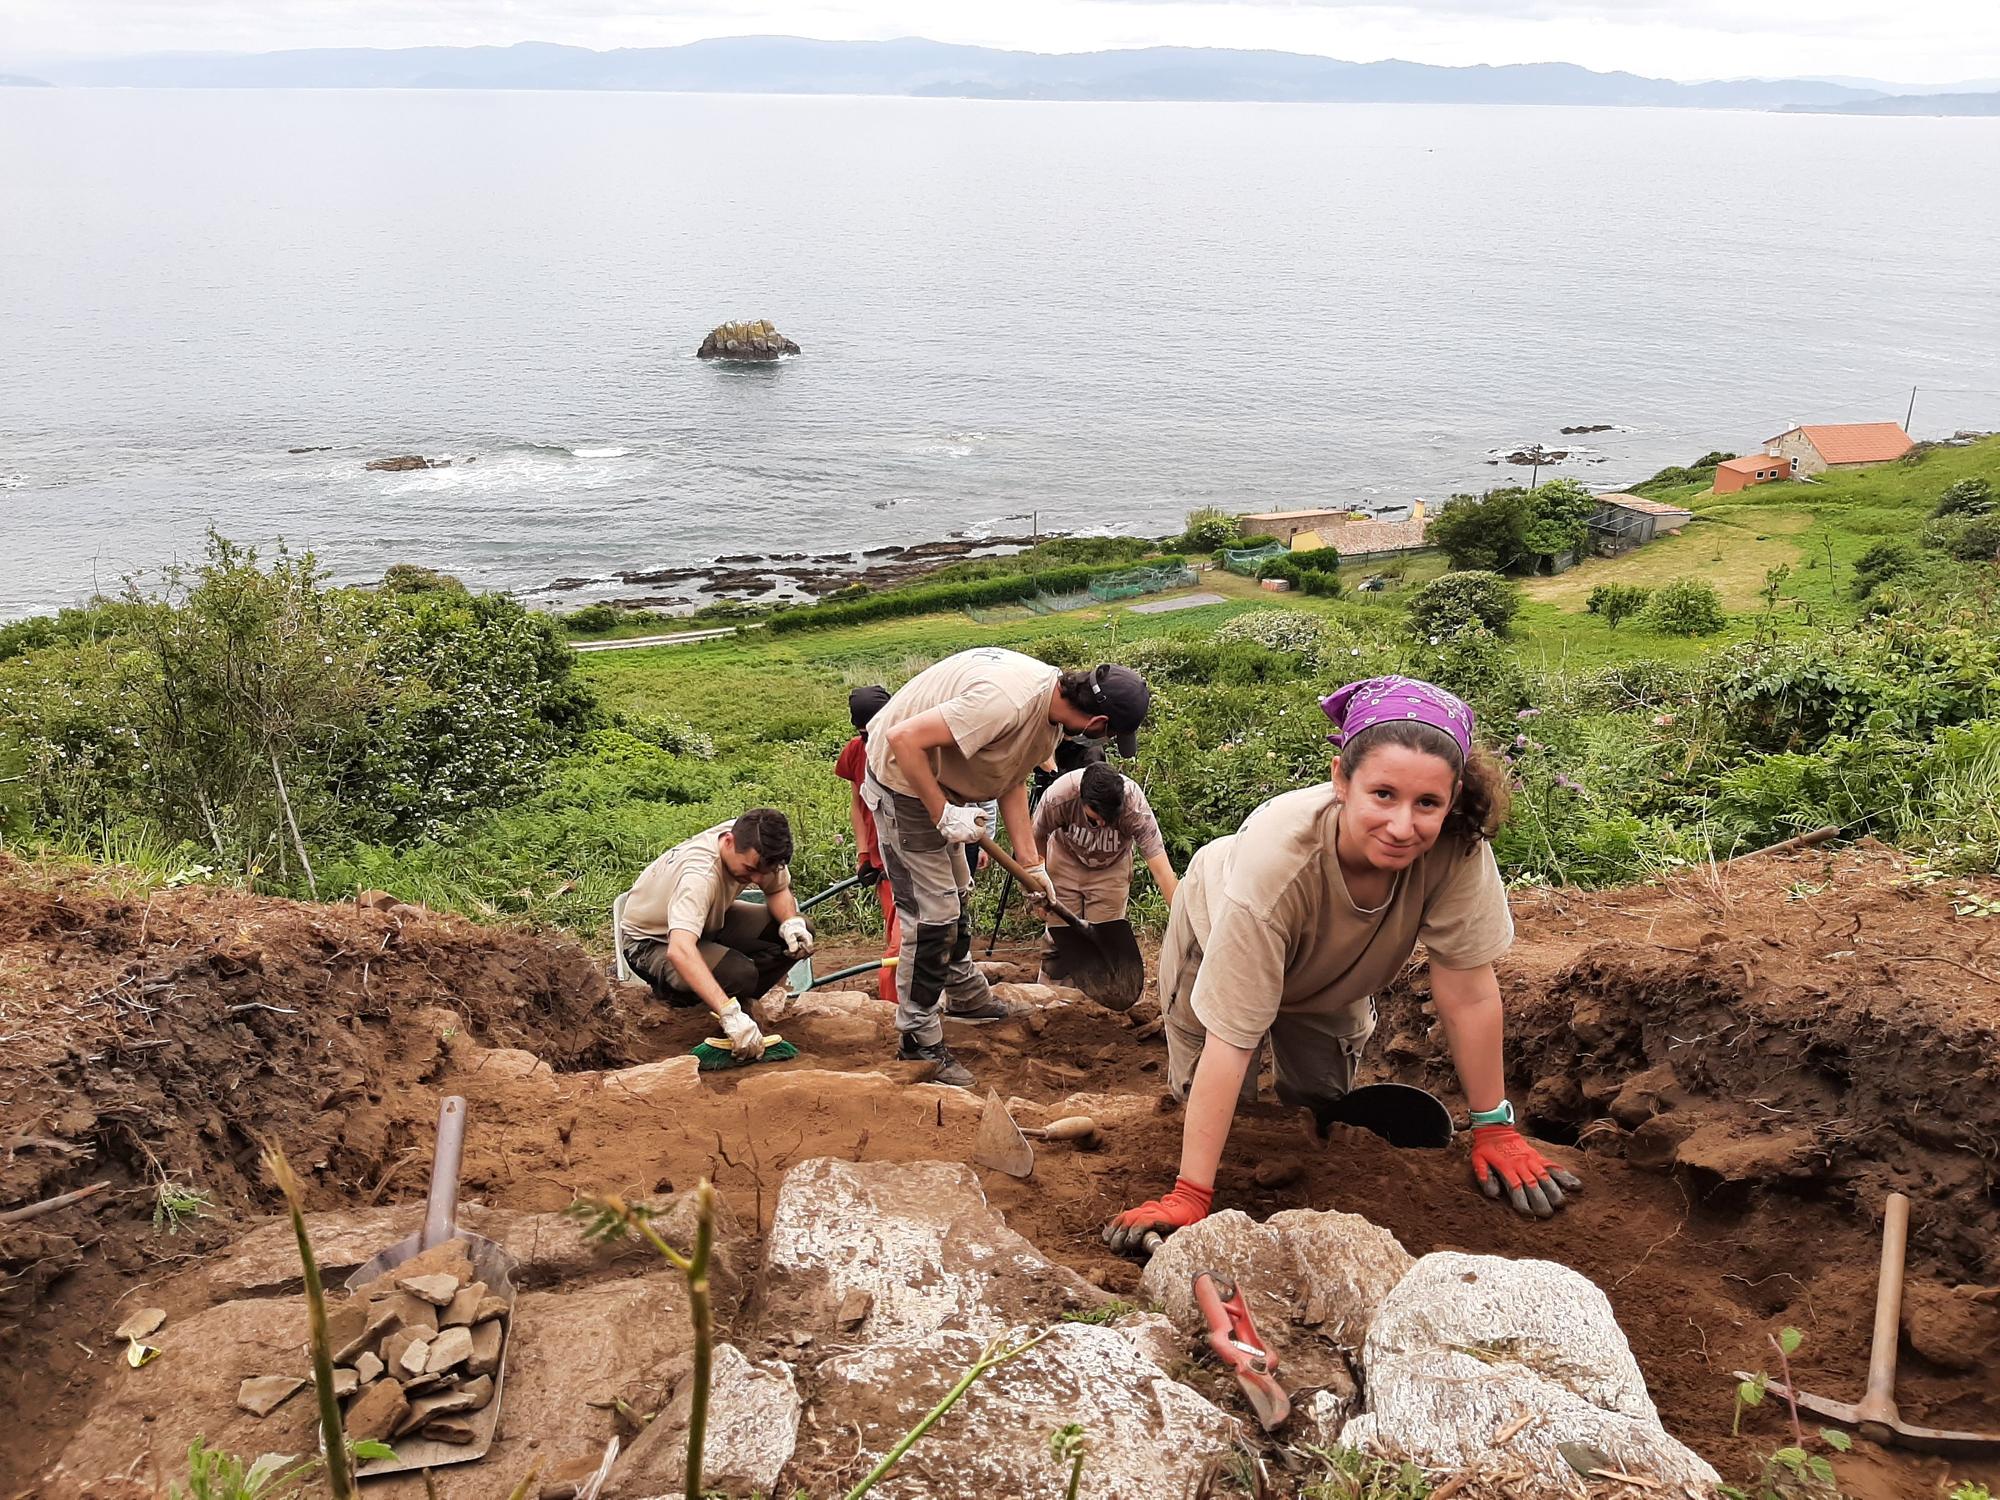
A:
(1474, 1361)
(1312, 1280)
(1147, 1435)
(753, 1425)
(915, 1243)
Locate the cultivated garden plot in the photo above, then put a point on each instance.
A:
(1741, 1062)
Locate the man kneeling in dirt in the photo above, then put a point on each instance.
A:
(1089, 823)
(686, 934)
(961, 732)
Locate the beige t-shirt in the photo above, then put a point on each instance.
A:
(687, 889)
(1268, 908)
(996, 704)
(1060, 823)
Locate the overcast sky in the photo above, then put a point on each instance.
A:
(1914, 41)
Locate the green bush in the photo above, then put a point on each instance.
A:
(1969, 538)
(410, 578)
(1968, 497)
(1483, 534)
(1276, 630)
(1879, 564)
(1209, 529)
(1314, 571)
(1616, 602)
(1456, 600)
(593, 619)
(1684, 606)
(928, 599)
(1558, 518)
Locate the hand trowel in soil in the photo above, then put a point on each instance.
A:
(1001, 1145)
(490, 1264)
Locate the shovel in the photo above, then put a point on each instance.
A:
(1000, 1144)
(1875, 1415)
(490, 1264)
(1403, 1116)
(1100, 958)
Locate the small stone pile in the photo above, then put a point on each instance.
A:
(416, 1349)
(758, 340)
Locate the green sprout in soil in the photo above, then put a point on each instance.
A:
(1068, 1444)
(1791, 1473)
(1111, 1312)
(216, 1475)
(1350, 1474)
(177, 1205)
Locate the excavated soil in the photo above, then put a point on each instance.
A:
(1741, 1064)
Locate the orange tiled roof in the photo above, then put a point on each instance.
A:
(1750, 463)
(1856, 442)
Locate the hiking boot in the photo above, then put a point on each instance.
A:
(992, 1008)
(950, 1070)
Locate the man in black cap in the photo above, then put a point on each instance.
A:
(959, 733)
(862, 706)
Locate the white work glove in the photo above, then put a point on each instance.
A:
(746, 1037)
(962, 825)
(797, 937)
(1036, 884)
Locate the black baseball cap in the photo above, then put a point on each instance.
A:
(866, 702)
(1121, 695)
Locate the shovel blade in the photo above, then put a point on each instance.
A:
(1000, 1145)
(1403, 1116)
(1100, 958)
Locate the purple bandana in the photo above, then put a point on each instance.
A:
(1378, 700)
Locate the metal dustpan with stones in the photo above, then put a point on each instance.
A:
(490, 1264)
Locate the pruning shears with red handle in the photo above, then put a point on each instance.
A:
(1232, 1334)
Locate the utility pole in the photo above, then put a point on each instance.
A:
(1912, 411)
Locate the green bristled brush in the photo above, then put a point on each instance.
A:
(716, 1053)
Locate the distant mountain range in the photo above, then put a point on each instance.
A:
(1907, 104)
(913, 66)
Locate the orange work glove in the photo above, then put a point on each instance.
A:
(1186, 1204)
(1535, 1185)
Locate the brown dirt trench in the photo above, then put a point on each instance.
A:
(1741, 1064)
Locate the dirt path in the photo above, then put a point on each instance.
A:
(1740, 1067)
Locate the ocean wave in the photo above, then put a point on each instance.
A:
(13, 481)
(611, 450)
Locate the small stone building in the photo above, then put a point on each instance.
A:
(1847, 445)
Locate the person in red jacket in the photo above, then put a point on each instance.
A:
(862, 705)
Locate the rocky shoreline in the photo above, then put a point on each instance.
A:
(745, 577)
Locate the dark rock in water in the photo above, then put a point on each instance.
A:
(741, 557)
(326, 448)
(1593, 427)
(661, 575)
(881, 551)
(565, 584)
(1526, 456)
(758, 340)
(405, 462)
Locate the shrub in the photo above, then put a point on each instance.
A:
(1314, 571)
(1455, 600)
(929, 599)
(1616, 602)
(1685, 606)
(593, 619)
(1967, 538)
(1277, 630)
(1880, 563)
(411, 578)
(1209, 529)
(1483, 534)
(1968, 497)
(1557, 518)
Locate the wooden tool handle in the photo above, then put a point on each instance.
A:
(1014, 867)
(441, 1213)
(1878, 1402)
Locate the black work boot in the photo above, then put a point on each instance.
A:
(949, 1069)
(992, 1008)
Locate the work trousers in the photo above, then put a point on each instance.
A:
(1315, 1057)
(932, 883)
(745, 955)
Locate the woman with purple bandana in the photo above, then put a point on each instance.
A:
(1286, 929)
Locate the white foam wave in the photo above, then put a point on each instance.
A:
(611, 450)
(13, 481)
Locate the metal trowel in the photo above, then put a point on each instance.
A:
(1001, 1145)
